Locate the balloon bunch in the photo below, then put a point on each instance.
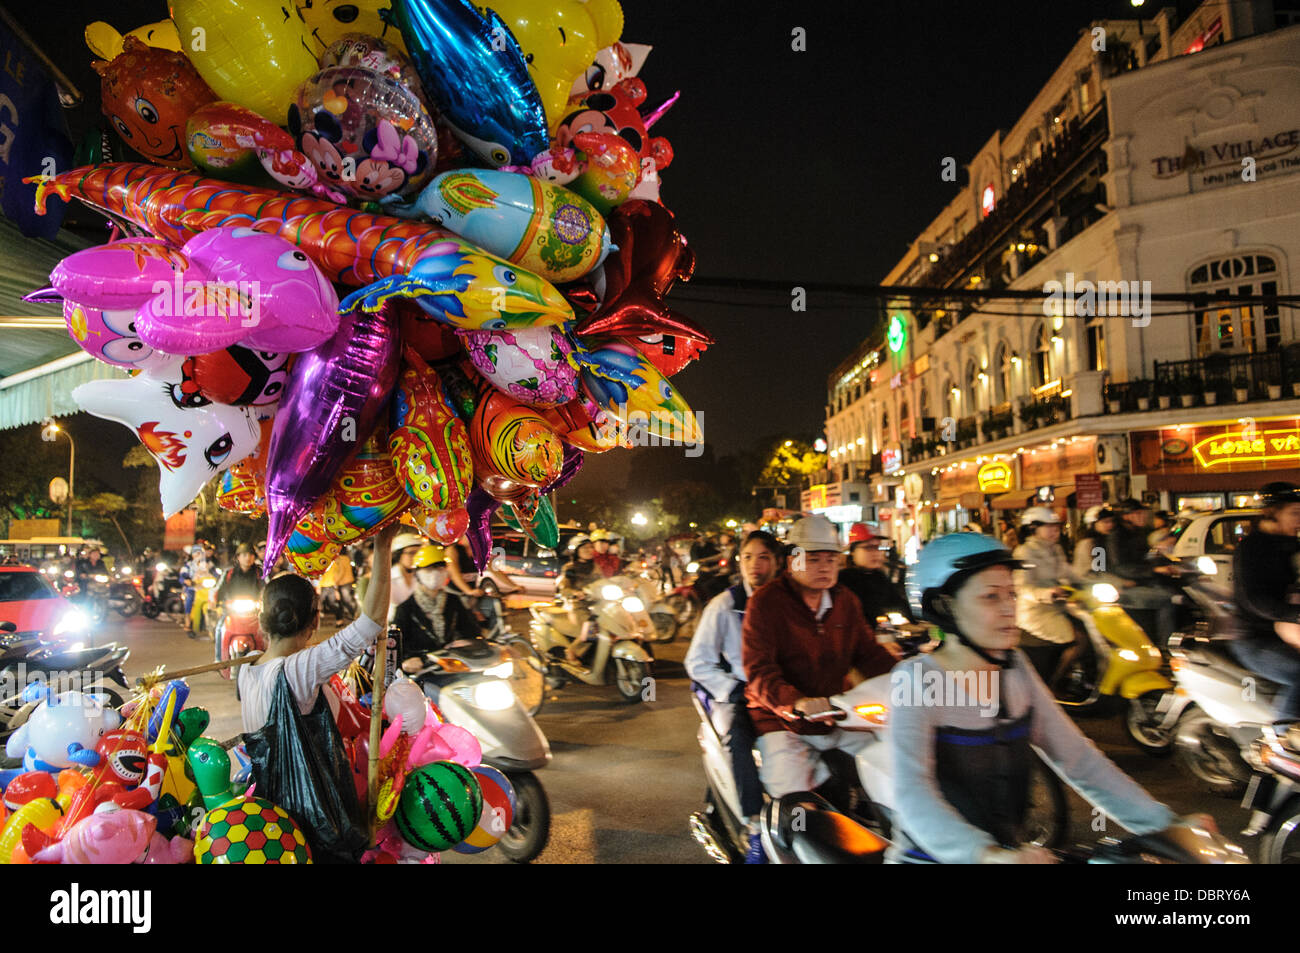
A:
(411, 271)
(99, 786)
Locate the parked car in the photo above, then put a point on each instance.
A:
(524, 563)
(1210, 541)
(30, 602)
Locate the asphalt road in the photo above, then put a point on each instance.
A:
(625, 778)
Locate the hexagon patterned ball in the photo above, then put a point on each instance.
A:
(250, 831)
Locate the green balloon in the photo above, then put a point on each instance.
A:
(211, 765)
(193, 722)
(543, 529)
(440, 805)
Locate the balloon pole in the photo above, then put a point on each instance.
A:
(376, 722)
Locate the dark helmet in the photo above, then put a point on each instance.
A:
(1279, 493)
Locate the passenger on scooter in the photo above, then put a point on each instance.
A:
(1040, 600)
(336, 586)
(803, 634)
(866, 578)
(609, 563)
(241, 581)
(961, 770)
(714, 664)
(1127, 556)
(432, 617)
(577, 574)
(1264, 576)
(402, 576)
(465, 582)
(1090, 550)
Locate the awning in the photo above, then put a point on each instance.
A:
(1222, 482)
(943, 506)
(46, 391)
(1015, 500)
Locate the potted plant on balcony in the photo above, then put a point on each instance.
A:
(1113, 402)
(1164, 393)
(1029, 414)
(1274, 383)
(1241, 388)
(1141, 390)
(1188, 388)
(1209, 393)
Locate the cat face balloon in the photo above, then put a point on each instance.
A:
(191, 437)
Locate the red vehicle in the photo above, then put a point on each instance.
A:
(238, 634)
(30, 602)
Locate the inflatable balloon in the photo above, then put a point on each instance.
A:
(440, 804)
(651, 256)
(581, 424)
(62, 732)
(451, 279)
(239, 377)
(511, 442)
(243, 486)
(309, 549)
(116, 837)
(404, 699)
(472, 67)
(368, 136)
(230, 141)
(441, 526)
(102, 287)
(614, 113)
(335, 395)
(250, 831)
(255, 52)
(191, 438)
(106, 43)
(534, 366)
(124, 753)
(29, 786)
(559, 40)
(624, 384)
(540, 525)
(366, 494)
(211, 766)
(547, 229)
(606, 169)
(147, 95)
(41, 814)
(329, 21)
(241, 286)
(372, 53)
(613, 64)
(428, 444)
(498, 811)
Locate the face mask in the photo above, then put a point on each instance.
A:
(432, 578)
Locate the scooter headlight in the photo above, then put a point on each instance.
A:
(692, 567)
(611, 593)
(489, 695)
(875, 713)
(633, 604)
(101, 578)
(1105, 592)
(1128, 655)
(243, 606)
(74, 620)
(161, 567)
(504, 670)
(209, 582)
(1206, 566)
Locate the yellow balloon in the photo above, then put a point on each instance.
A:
(561, 40)
(247, 51)
(608, 17)
(328, 20)
(106, 43)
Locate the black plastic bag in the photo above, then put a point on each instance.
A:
(299, 763)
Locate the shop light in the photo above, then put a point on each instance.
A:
(1020, 246)
(1015, 358)
(934, 256)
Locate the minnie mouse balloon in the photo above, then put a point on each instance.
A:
(533, 365)
(336, 393)
(368, 136)
(191, 438)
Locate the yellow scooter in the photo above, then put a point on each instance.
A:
(1124, 664)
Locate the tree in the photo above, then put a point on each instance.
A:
(109, 506)
(790, 461)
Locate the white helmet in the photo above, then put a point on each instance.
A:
(1039, 514)
(815, 534)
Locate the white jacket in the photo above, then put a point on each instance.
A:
(1036, 612)
(713, 659)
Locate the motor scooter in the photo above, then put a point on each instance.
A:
(1273, 795)
(618, 625)
(1123, 666)
(470, 683)
(124, 592)
(238, 634)
(849, 818)
(165, 594)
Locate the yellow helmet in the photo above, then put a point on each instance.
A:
(599, 535)
(429, 555)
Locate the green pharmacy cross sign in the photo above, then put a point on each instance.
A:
(896, 336)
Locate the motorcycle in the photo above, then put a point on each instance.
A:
(699, 585)
(237, 633)
(62, 665)
(1124, 665)
(165, 594)
(1273, 796)
(470, 683)
(656, 593)
(849, 819)
(618, 654)
(124, 593)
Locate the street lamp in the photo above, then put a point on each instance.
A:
(638, 519)
(50, 433)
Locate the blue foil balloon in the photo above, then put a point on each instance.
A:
(473, 68)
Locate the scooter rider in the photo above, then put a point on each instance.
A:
(802, 636)
(1090, 550)
(1264, 575)
(1043, 567)
(609, 563)
(577, 574)
(961, 772)
(1127, 552)
(866, 578)
(431, 617)
(241, 581)
(714, 664)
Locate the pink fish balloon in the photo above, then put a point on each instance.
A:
(114, 837)
(335, 396)
(241, 286)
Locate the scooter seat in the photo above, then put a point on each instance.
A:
(810, 828)
(477, 649)
(1218, 653)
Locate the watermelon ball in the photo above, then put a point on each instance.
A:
(498, 811)
(250, 831)
(440, 804)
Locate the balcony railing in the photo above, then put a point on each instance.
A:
(1217, 379)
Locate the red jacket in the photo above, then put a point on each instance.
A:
(609, 564)
(790, 655)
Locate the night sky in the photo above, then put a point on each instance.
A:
(816, 166)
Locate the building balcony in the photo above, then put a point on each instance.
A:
(1209, 381)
